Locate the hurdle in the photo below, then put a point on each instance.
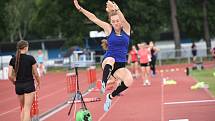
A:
(71, 79)
(71, 82)
(95, 85)
(35, 108)
(91, 76)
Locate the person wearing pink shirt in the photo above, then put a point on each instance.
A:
(133, 60)
(145, 55)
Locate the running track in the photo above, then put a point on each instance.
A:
(154, 103)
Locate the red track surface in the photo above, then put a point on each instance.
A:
(202, 110)
(138, 103)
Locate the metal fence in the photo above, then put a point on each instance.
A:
(166, 56)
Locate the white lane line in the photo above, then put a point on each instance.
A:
(189, 102)
(52, 113)
(46, 96)
(10, 111)
(51, 94)
(43, 97)
(100, 119)
(180, 120)
(162, 99)
(7, 99)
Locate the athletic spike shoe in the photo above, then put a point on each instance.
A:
(107, 103)
(144, 83)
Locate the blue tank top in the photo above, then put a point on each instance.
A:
(117, 46)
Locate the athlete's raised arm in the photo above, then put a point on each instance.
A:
(106, 26)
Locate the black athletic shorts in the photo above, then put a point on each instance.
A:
(117, 65)
(24, 87)
(144, 64)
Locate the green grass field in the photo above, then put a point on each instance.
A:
(206, 76)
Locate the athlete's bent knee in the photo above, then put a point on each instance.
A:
(128, 81)
(110, 60)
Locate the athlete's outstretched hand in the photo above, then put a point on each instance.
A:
(115, 6)
(77, 5)
(109, 6)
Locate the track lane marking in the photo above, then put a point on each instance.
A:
(43, 97)
(189, 102)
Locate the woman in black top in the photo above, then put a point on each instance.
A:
(22, 67)
(194, 51)
(154, 51)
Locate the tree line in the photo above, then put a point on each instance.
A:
(44, 19)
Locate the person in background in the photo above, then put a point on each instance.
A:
(21, 72)
(104, 44)
(154, 51)
(213, 53)
(41, 66)
(194, 52)
(145, 56)
(133, 59)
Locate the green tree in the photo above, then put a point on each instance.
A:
(2, 23)
(206, 27)
(175, 28)
(19, 14)
(146, 18)
(39, 19)
(196, 19)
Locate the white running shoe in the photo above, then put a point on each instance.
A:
(107, 103)
(146, 82)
